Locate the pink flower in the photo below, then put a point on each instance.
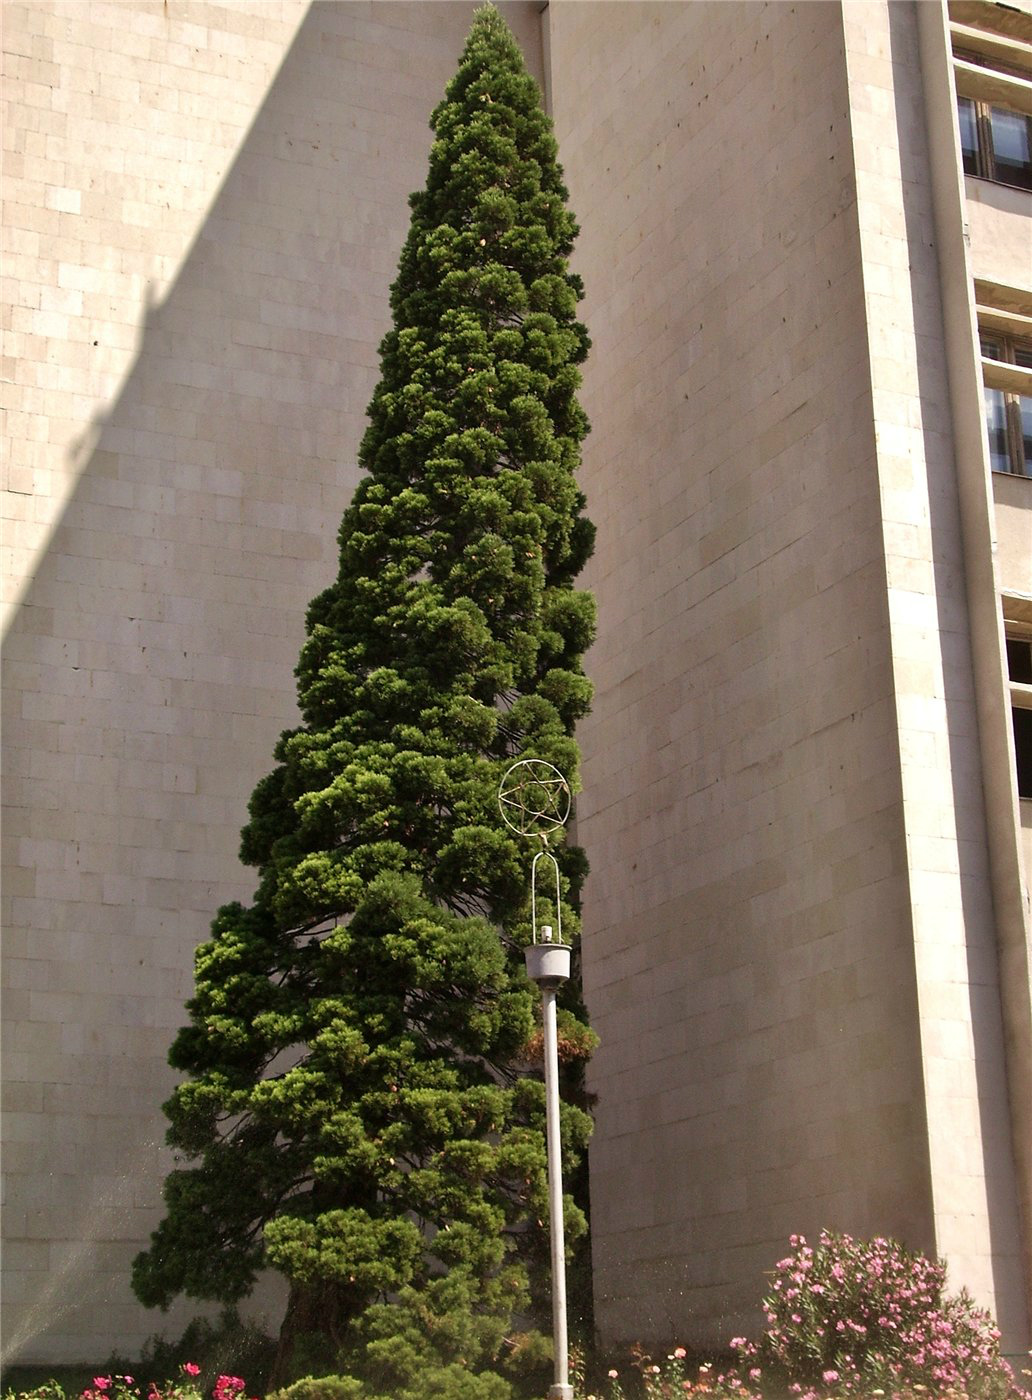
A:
(613, 1373)
(737, 1342)
(680, 1353)
(828, 1376)
(102, 1382)
(191, 1369)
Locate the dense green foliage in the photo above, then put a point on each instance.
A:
(360, 1109)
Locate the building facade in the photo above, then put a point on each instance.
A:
(807, 247)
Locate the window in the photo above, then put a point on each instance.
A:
(996, 143)
(1019, 669)
(1023, 750)
(1008, 402)
(1019, 660)
(992, 71)
(1010, 135)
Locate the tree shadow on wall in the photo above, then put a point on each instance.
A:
(152, 652)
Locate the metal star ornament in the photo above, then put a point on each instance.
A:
(534, 798)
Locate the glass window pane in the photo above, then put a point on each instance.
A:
(996, 425)
(1019, 660)
(989, 347)
(968, 134)
(1025, 407)
(1023, 355)
(1011, 149)
(1023, 749)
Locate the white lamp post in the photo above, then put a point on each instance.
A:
(534, 799)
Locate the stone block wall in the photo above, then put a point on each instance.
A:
(780, 667)
(973, 1122)
(788, 930)
(204, 208)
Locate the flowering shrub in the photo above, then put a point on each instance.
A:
(854, 1318)
(110, 1388)
(228, 1388)
(846, 1319)
(187, 1386)
(669, 1378)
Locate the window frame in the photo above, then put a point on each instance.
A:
(1009, 348)
(984, 152)
(1020, 696)
(998, 77)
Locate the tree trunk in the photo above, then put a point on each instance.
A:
(311, 1334)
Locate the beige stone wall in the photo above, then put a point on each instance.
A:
(998, 229)
(205, 203)
(1013, 502)
(780, 806)
(938, 163)
(971, 1135)
(789, 945)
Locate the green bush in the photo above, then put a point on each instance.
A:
(452, 1382)
(49, 1390)
(321, 1388)
(230, 1345)
(455, 1383)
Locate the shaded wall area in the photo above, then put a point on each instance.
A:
(748, 948)
(206, 205)
(789, 943)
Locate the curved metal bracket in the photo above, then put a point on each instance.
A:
(533, 898)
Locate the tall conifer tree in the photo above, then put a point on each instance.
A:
(359, 1109)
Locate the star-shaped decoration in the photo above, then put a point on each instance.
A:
(534, 797)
